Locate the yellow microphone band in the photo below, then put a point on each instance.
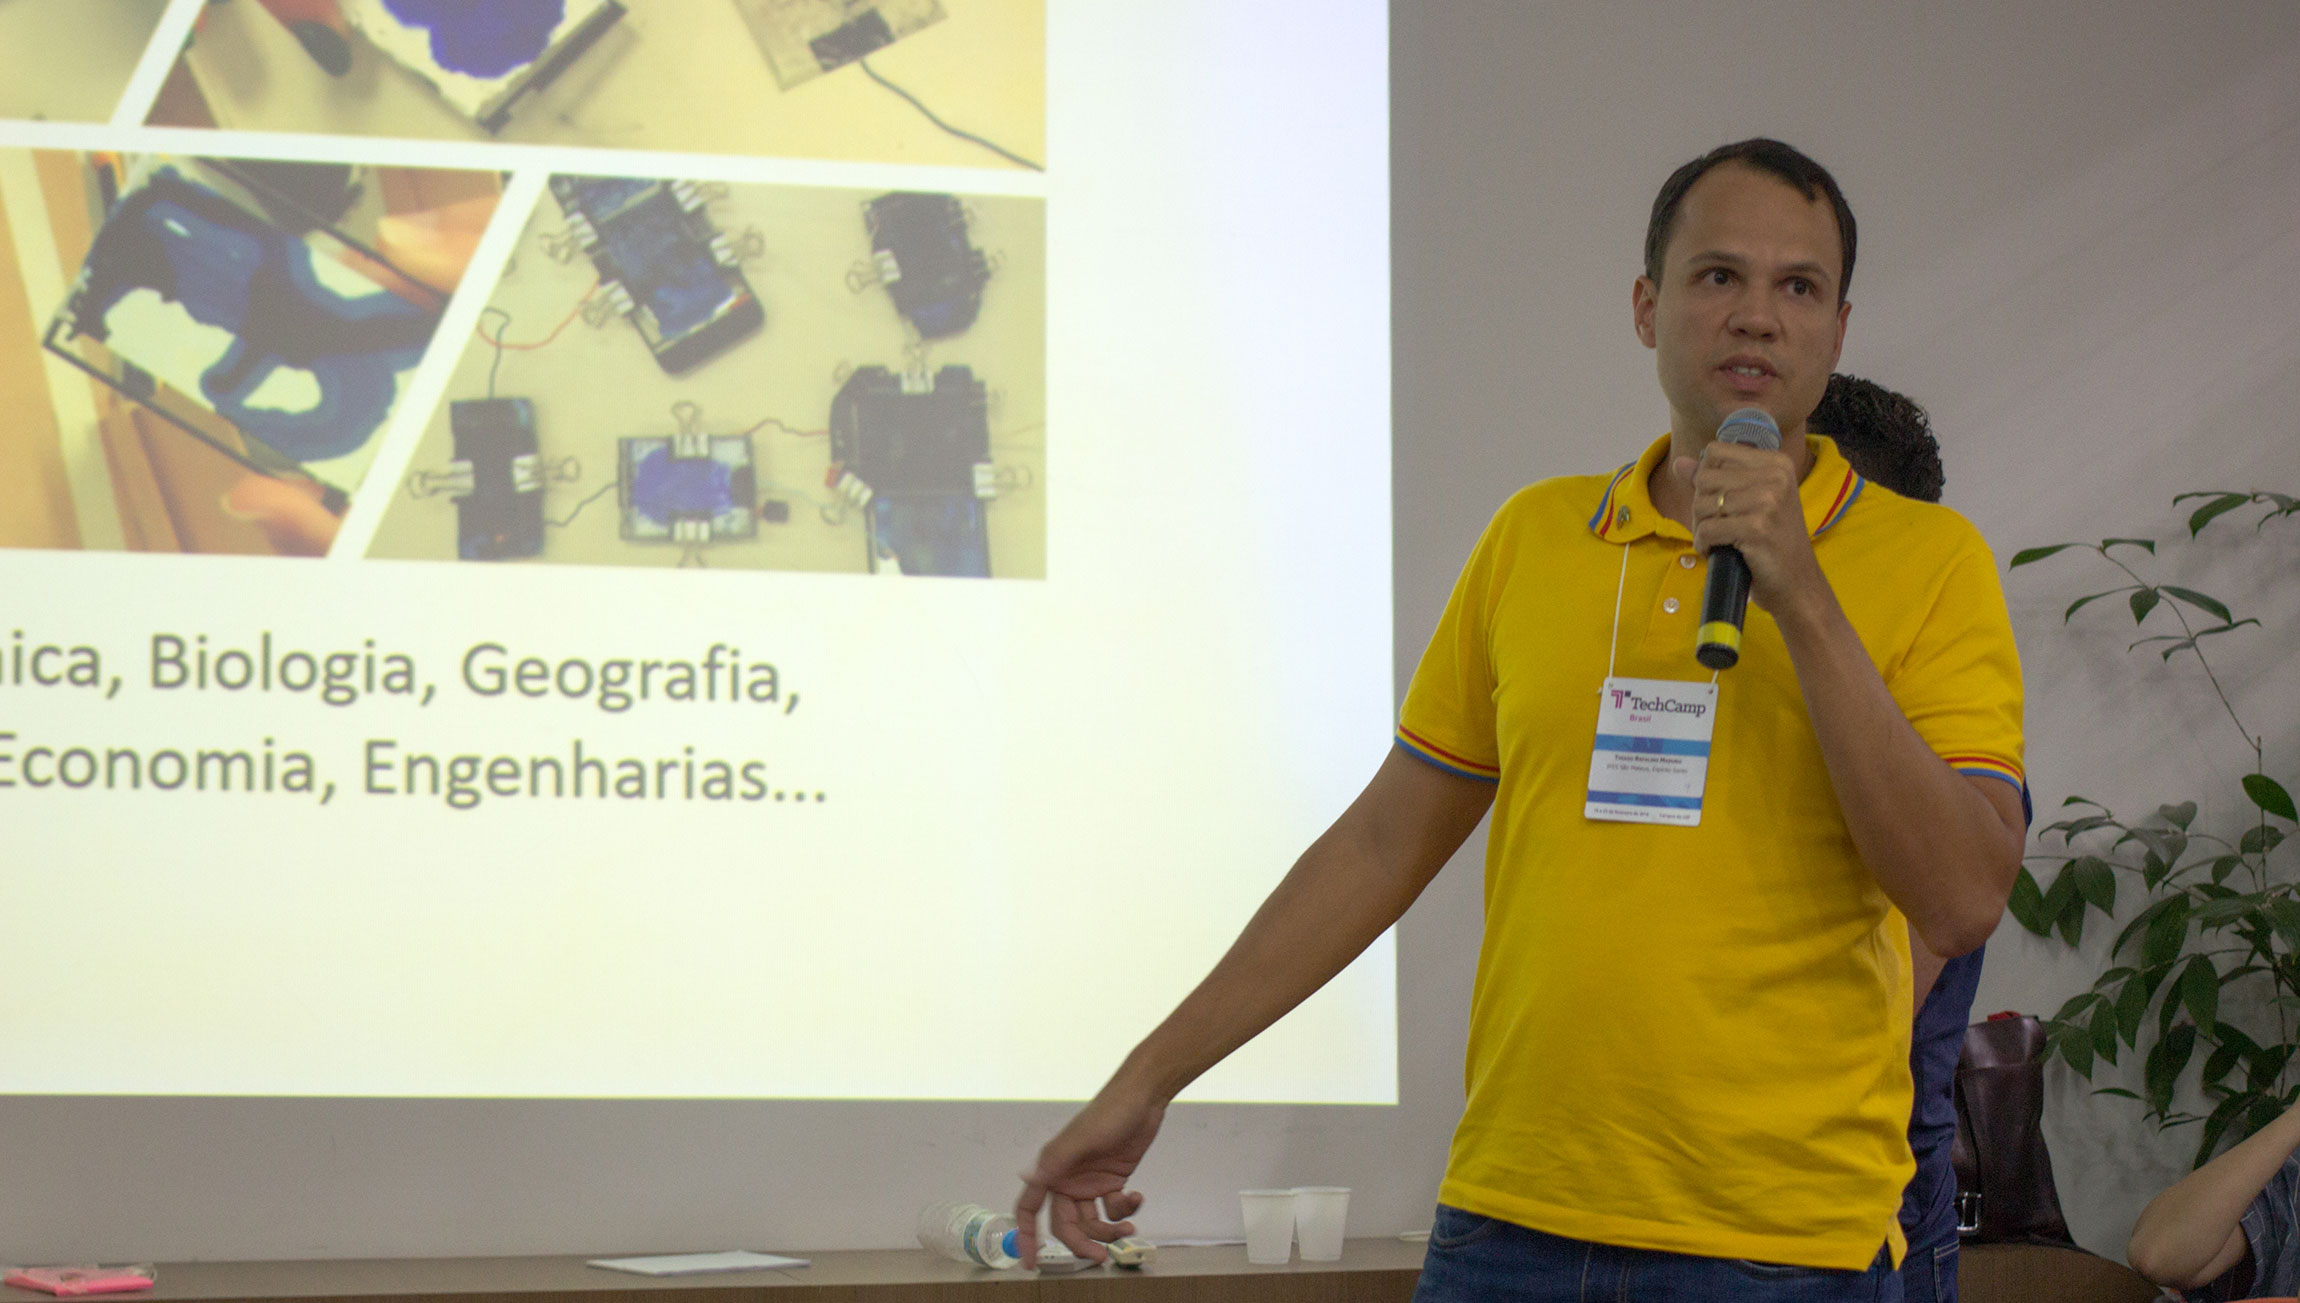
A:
(1718, 633)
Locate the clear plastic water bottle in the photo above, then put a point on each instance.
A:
(969, 1232)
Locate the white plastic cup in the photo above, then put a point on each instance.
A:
(1321, 1212)
(1269, 1225)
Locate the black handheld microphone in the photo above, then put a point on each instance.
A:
(1725, 602)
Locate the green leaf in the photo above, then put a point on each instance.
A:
(2075, 1045)
(2224, 628)
(2140, 923)
(2217, 1126)
(2073, 1006)
(2270, 795)
(2284, 916)
(2096, 882)
(2072, 827)
(2107, 543)
(2227, 1034)
(2225, 865)
(2166, 1060)
(2222, 1062)
(2114, 1090)
(2224, 910)
(2104, 1031)
(2165, 933)
(2154, 870)
(2169, 1012)
(2268, 1064)
(2143, 601)
(2221, 505)
(2261, 839)
(2060, 893)
(2131, 1007)
(2200, 601)
(2179, 816)
(2200, 992)
(2029, 554)
(2070, 924)
(2027, 904)
(2085, 601)
(2083, 800)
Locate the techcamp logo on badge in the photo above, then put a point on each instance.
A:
(1624, 698)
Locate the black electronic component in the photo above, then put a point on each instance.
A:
(775, 511)
(688, 488)
(500, 516)
(930, 267)
(859, 36)
(664, 264)
(916, 457)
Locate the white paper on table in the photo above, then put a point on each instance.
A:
(696, 1264)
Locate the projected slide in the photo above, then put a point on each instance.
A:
(241, 335)
(862, 79)
(534, 567)
(633, 396)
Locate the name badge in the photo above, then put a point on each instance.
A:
(1651, 760)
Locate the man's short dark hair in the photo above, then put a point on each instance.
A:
(1886, 436)
(1807, 177)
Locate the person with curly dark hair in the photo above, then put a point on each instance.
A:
(1886, 436)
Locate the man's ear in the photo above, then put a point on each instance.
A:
(1844, 313)
(1641, 305)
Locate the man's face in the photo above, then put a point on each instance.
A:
(1746, 312)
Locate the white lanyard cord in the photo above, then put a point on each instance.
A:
(1613, 647)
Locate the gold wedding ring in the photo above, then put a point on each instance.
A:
(1720, 504)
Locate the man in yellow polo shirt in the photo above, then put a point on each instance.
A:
(1688, 1057)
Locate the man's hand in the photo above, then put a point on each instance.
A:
(1088, 1162)
(1747, 498)
(1349, 887)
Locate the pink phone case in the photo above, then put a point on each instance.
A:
(72, 1281)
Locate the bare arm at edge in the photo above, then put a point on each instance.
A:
(1347, 889)
(2193, 1232)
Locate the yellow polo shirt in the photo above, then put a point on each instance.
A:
(1695, 1039)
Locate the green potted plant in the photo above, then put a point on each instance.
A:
(2204, 982)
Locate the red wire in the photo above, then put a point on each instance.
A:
(564, 322)
(787, 428)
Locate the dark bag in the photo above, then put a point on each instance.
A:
(2005, 1193)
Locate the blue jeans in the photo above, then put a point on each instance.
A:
(1475, 1259)
(1929, 1273)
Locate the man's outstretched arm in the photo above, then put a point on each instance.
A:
(1347, 889)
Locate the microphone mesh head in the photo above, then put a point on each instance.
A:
(1752, 427)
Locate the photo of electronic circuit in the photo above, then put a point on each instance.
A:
(218, 344)
(70, 60)
(957, 83)
(678, 373)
